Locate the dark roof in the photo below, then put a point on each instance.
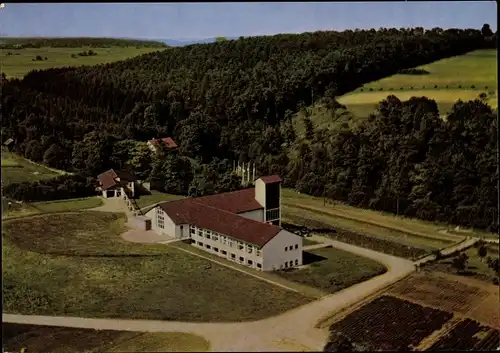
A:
(235, 202)
(108, 178)
(167, 140)
(190, 211)
(271, 179)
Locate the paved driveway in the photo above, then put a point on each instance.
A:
(293, 330)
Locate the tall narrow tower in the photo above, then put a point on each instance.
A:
(268, 194)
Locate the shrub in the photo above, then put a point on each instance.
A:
(473, 86)
(391, 89)
(435, 86)
(459, 86)
(361, 89)
(485, 87)
(380, 89)
(446, 86)
(414, 72)
(60, 188)
(401, 88)
(371, 89)
(411, 87)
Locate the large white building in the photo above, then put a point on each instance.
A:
(242, 226)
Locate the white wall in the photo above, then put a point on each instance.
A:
(274, 254)
(260, 192)
(169, 229)
(230, 246)
(256, 215)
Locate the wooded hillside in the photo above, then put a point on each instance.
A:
(234, 100)
(75, 42)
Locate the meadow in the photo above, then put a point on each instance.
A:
(55, 339)
(76, 264)
(462, 77)
(16, 169)
(18, 62)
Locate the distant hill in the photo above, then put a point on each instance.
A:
(183, 42)
(76, 42)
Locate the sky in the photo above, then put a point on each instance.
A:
(207, 20)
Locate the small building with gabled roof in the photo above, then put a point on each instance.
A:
(166, 141)
(112, 183)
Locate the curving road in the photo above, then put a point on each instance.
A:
(293, 330)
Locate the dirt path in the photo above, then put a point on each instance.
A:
(293, 330)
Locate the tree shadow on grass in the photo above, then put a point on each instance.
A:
(310, 258)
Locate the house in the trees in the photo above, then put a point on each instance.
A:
(8, 144)
(113, 183)
(241, 226)
(167, 141)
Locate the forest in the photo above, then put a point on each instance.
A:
(233, 101)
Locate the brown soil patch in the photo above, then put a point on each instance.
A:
(463, 296)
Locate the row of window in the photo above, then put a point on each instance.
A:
(290, 264)
(291, 247)
(208, 234)
(241, 259)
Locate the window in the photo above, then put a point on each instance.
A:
(233, 256)
(224, 252)
(200, 243)
(258, 252)
(259, 266)
(250, 262)
(161, 221)
(286, 248)
(230, 243)
(242, 259)
(291, 263)
(208, 246)
(192, 231)
(286, 264)
(223, 240)
(296, 246)
(240, 246)
(207, 236)
(296, 262)
(200, 232)
(216, 249)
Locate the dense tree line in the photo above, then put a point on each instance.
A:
(60, 188)
(233, 100)
(76, 42)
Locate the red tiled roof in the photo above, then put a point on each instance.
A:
(190, 211)
(235, 202)
(108, 178)
(167, 140)
(271, 179)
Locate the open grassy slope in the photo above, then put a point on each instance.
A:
(18, 62)
(16, 169)
(462, 77)
(76, 264)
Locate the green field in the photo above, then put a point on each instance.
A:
(331, 270)
(461, 77)
(21, 61)
(75, 264)
(377, 223)
(23, 209)
(55, 339)
(16, 169)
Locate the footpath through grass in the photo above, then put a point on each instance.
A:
(18, 62)
(96, 274)
(55, 339)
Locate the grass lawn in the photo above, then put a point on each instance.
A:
(331, 270)
(363, 217)
(24, 209)
(96, 274)
(155, 197)
(21, 62)
(37, 338)
(16, 169)
(307, 241)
